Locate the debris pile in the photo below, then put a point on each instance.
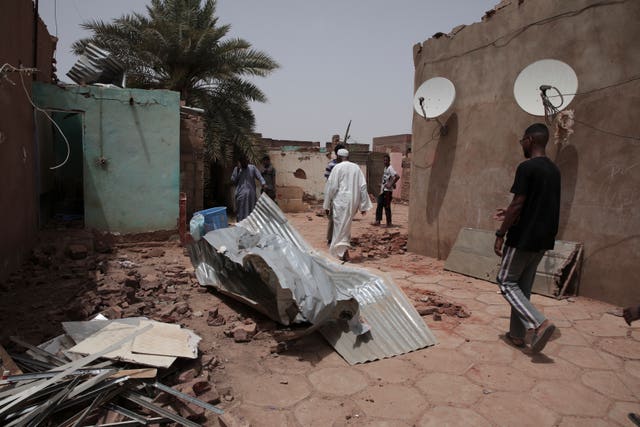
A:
(127, 291)
(378, 245)
(429, 303)
(98, 373)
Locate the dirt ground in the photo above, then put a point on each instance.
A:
(590, 374)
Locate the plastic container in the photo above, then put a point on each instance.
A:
(214, 218)
(196, 226)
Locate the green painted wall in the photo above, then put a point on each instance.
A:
(131, 154)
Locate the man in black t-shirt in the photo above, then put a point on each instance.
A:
(530, 224)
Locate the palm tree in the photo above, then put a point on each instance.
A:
(180, 46)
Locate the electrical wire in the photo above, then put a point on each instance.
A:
(550, 110)
(635, 138)
(586, 92)
(21, 71)
(509, 37)
(414, 154)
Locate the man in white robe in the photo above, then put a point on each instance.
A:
(345, 192)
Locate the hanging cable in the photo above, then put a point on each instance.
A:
(28, 71)
(586, 92)
(550, 110)
(634, 138)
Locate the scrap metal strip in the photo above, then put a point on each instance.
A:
(138, 399)
(188, 398)
(11, 401)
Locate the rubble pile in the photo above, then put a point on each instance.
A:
(60, 383)
(123, 289)
(428, 303)
(82, 275)
(378, 245)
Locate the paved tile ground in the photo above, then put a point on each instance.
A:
(589, 374)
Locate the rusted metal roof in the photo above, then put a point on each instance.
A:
(264, 262)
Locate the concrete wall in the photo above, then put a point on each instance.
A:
(18, 162)
(270, 143)
(458, 180)
(136, 132)
(392, 144)
(405, 183)
(312, 162)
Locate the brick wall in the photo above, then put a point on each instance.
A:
(192, 161)
(19, 172)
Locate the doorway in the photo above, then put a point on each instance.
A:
(61, 168)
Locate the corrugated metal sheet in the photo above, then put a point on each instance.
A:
(96, 66)
(285, 278)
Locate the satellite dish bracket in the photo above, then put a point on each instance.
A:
(443, 128)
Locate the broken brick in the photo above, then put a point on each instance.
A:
(188, 376)
(77, 251)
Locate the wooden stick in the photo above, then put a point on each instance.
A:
(570, 276)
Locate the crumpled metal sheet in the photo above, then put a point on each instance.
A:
(265, 263)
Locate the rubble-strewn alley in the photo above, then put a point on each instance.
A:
(590, 374)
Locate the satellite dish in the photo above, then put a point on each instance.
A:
(550, 75)
(434, 97)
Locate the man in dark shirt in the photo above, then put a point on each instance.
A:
(530, 224)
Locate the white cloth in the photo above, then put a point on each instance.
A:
(346, 192)
(387, 177)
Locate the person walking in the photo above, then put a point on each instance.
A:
(530, 224)
(327, 172)
(244, 177)
(346, 193)
(269, 174)
(389, 179)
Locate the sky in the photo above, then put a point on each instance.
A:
(339, 60)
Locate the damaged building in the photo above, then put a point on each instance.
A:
(459, 179)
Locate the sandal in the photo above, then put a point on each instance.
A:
(541, 336)
(514, 341)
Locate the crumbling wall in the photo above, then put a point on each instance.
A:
(192, 161)
(303, 168)
(459, 179)
(18, 163)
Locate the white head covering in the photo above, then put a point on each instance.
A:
(343, 152)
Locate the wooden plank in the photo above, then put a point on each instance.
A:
(164, 339)
(472, 255)
(114, 332)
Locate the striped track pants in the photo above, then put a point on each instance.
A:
(516, 275)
